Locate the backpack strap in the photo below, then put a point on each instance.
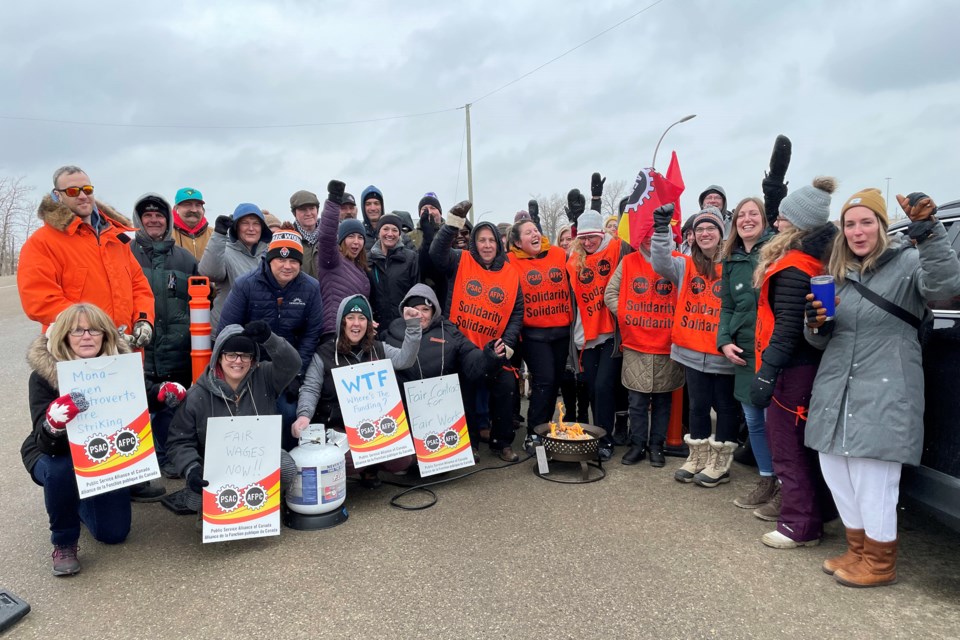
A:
(886, 305)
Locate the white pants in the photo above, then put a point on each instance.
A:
(866, 493)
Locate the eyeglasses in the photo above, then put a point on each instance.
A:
(233, 357)
(702, 231)
(73, 192)
(78, 332)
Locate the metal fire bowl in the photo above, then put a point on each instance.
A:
(571, 450)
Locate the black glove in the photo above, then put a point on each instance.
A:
(292, 392)
(576, 205)
(918, 206)
(223, 225)
(921, 230)
(662, 216)
(761, 389)
(780, 159)
(195, 481)
(258, 331)
(534, 208)
(816, 317)
(335, 190)
(596, 185)
(774, 191)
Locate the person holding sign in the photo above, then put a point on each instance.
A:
(709, 375)
(237, 382)
(80, 331)
(486, 304)
(443, 348)
(354, 343)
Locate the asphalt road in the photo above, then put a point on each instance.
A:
(502, 554)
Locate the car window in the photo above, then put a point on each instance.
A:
(953, 234)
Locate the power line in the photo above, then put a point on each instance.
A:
(568, 51)
(305, 125)
(219, 126)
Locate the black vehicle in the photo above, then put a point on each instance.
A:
(936, 482)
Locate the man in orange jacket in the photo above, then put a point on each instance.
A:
(82, 254)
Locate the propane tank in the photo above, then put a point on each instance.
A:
(321, 481)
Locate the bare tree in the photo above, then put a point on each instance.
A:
(553, 214)
(16, 221)
(613, 190)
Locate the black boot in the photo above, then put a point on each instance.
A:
(635, 454)
(656, 456)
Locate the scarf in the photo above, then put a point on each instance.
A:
(183, 226)
(309, 237)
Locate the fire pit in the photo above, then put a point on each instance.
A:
(584, 452)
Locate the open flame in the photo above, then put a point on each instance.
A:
(567, 431)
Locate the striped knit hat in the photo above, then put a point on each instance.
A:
(286, 243)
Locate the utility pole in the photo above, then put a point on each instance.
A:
(888, 194)
(469, 165)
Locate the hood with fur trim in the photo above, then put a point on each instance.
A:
(59, 216)
(42, 361)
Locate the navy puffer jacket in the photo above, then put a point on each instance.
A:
(293, 312)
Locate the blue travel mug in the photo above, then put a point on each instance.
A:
(824, 291)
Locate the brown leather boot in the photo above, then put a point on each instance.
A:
(877, 566)
(850, 556)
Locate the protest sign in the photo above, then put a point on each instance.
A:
(112, 441)
(438, 424)
(241, 461)
(376, 424)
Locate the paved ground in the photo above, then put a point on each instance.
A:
(502, 554)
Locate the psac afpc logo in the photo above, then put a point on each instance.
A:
(230, 498)
(99, 447)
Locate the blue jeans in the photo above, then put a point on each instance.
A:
(107, 515)
(758, 438)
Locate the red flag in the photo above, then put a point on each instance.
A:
(650, 190)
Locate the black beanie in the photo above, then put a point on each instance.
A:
(390, 218)
(415, 301)
(238, 344)
(431, 199)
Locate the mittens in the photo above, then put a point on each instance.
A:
(64, 409)
(171, 394)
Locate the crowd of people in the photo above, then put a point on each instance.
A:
(721, 307)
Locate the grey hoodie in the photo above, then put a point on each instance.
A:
(212, 397)
(401, 358)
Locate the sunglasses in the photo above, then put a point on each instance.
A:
(73, 192)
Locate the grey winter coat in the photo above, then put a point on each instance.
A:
(672, 268)
(867, 397)
(212, 397)
(226, 259)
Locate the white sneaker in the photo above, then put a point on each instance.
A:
(777, 540)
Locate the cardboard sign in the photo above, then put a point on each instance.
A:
(112, 441)
(376, 424)
(439, 426)
(241, 461)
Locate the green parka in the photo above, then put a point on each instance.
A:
(738, 310)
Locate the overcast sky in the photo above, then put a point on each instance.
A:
(865, 89)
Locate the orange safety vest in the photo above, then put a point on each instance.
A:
(546, 290)
(765, 318)
(482, 299)
(588, 285)
(646, 306)
(697, 319)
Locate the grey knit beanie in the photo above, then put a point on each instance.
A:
(711, 215)
(809, 207)
(590, 223)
